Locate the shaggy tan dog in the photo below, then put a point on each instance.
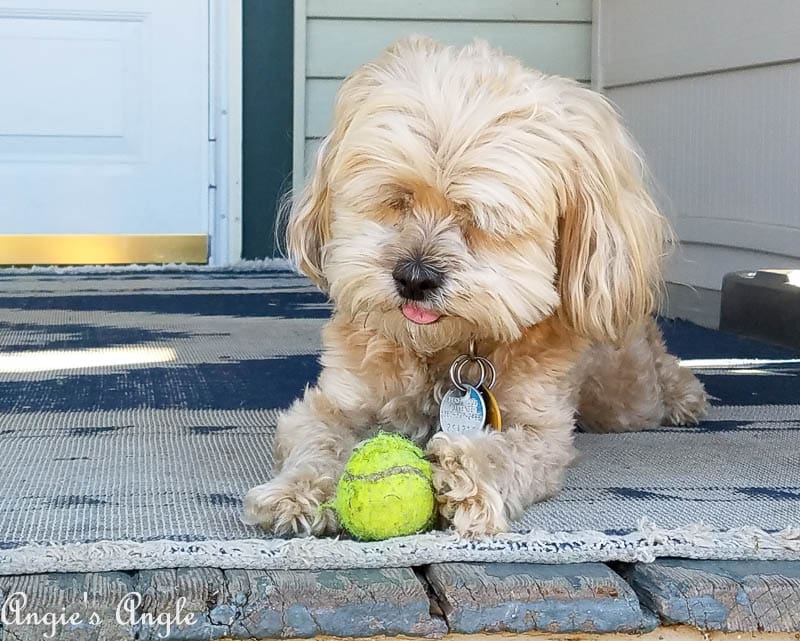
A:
(461, 196)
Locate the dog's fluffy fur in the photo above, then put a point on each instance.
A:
(527, 194)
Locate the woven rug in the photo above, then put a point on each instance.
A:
(136, 408)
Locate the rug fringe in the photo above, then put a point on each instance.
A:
(649, 542)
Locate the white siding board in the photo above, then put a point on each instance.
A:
(725, 149)
(645, 40)
(336, 47)
(711, 91)
(752, 235)
(700, 265)
(513, 10)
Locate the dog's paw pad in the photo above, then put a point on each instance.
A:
(291, 507)
(688, 409)
(469, 503)
(471, 517)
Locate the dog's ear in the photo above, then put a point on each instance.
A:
(309, 225)
(611, 235)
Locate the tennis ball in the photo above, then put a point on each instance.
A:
(386, 490)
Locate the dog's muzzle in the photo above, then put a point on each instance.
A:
(415, 279)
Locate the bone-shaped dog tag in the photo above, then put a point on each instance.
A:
(461, 412)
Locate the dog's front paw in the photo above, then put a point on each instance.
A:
(466, 496)
(687, 403)
(292, 505)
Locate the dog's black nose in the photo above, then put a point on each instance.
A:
(415, 279)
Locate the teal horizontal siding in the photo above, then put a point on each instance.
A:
(551, 35)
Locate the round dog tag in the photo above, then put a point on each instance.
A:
(462, 411)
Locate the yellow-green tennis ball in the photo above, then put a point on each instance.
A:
(386, 490)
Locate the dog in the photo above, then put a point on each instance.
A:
(463, 199)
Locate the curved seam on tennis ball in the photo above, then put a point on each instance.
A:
(377, 476)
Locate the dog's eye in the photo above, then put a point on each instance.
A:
(398, 203)
(392, 206)
(462, 212)
(477, 238)
(474, 235)
(396, 199)
(480, 228)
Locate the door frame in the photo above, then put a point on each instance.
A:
(225, 131)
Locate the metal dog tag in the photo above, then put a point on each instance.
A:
(494, 419)
(462, 411)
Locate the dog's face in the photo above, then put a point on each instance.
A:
(461, 195)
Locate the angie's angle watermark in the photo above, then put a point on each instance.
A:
(15, 611)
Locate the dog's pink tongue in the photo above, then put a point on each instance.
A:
(418, 315)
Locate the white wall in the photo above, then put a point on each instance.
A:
(338, 35)
(711, 90)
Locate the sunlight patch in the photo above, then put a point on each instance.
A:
(737, 363)
(53, 360)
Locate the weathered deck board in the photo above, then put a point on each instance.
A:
(87, 601)
(582, 600)
(352, 603)
(722, 595)
(204, 603)
(522, 597)
(195, 598)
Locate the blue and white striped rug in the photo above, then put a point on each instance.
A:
(136, 409)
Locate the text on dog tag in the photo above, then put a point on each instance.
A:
(462, 411)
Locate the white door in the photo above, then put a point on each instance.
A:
(104, 108)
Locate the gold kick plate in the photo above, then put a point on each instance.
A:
(102, 249)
